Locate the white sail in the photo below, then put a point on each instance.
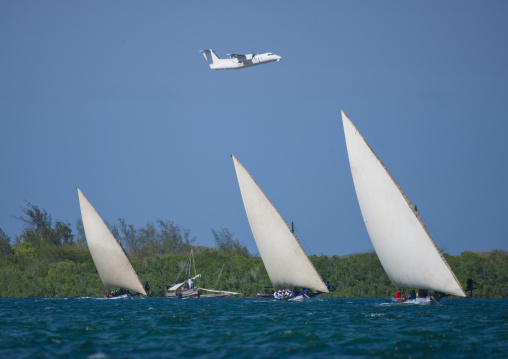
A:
(113, 266)
(284, 258)
(406, 250)
(178, 285)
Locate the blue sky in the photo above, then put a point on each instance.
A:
(115, 98)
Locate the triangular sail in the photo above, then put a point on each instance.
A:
(113, 266)
(178, 285)
(285, 260)
(408, 254)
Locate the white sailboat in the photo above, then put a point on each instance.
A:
(285, 260)
(186, 289)
(112, 264)
(405, 248)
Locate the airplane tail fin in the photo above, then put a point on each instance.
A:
(213, 57)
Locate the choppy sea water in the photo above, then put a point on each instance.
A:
(250, 328)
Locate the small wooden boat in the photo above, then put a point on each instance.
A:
(186, 288)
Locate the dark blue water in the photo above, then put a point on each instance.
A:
(250, 328)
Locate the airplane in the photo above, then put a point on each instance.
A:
(238, 61)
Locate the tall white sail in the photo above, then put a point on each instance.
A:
(284, 258)
(113, 266)
(406, 250)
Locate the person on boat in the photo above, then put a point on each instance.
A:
(185, 286)
(191, 283)
(330, 287)
(147, 287)
(281, 294)
(397, 295)
(471, 284)
(426, 294)
(439, 295)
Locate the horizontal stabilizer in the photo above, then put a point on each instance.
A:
(213, 57)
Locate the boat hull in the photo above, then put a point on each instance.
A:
(192, 293)
(420, 301)
(123, 296)
(215, 296)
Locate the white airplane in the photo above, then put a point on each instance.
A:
(238, 61)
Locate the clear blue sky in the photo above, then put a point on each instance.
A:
(115, 98)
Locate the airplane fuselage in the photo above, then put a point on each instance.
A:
(245, 61)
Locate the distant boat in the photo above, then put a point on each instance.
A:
(110, 260)
(186, 290)
(285, 260)
(405, 248)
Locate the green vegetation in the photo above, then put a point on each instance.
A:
(48, 260)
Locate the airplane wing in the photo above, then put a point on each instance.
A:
(239, 57)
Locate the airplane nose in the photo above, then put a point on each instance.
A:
(279, 58)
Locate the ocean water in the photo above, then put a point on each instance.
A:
(250, 328)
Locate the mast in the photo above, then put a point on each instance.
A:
(190, 263)
(403, 244)
(217, 282)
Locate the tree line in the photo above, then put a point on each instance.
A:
(48, 260)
